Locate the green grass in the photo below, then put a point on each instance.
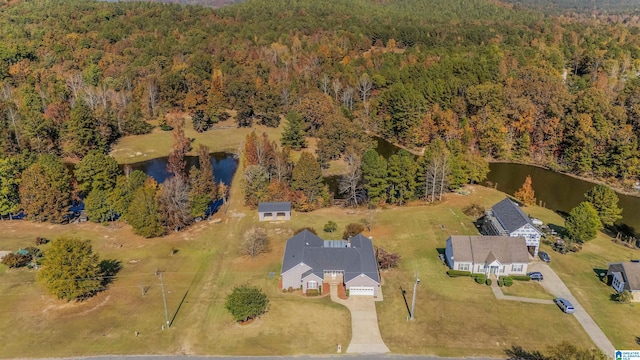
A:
(454, 316)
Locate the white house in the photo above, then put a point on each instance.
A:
(507, 219)
(499, 255)
(625, 276)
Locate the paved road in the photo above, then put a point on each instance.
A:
(555, 286)
(318, 357)
(365, 333)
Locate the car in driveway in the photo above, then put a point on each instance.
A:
(564, 305)
(536, 275)
(544, 256)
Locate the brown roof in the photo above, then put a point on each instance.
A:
(631, 273)
(480, 249)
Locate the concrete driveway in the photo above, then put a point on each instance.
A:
(556, 287)
(365, 333)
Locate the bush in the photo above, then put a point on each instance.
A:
(507, 281)
(458, 273)
(479, 278)
(246, 302)
(352, 230)
(474, 210)
(312, 292)
(500, 282)
(165, 127)
(488, 282)
(386, 260)
(41, 241)
(330, 227)
(520, 277)
(16, 260)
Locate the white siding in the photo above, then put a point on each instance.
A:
(363, 281)
(291, 278)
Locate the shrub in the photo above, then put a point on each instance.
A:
(165, 127)
(284, 290)
(41, 241)
(246, 302)
(507, 281)
(500, 282)
(312, 292)
(386, 260)
(312, 230)
(480, 278)
(16, 260)
(330, 227)
(488, 282)
(457, 273)
(352, 230)
(290, 289)
(520, 277)
(474, 210)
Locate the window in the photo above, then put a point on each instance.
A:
(517, 267)
(463, 267)
(312, 284)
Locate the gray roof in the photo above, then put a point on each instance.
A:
(630, 274)
(486, 249)
(510, 216)
(274, 206)
(307, 248)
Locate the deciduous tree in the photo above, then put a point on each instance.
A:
(246, 302)
(45, 190)
(254, 242)
(605, 200)
(70, 269)
(583, 222)
(174, 205)
(525, 194)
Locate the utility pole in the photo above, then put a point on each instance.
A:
(164, 300)
(413, 302)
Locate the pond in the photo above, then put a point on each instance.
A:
(224, 166)
(556, 191)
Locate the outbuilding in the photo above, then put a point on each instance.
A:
(273, 211)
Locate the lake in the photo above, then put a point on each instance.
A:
(557, 191)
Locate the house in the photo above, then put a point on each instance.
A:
(499, 255)
(507, 219)
(310, 261)
(625, 276)
(271, 211)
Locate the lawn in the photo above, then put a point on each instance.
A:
(454, 316)
(530, 289)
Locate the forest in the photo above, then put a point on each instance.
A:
(470, 81)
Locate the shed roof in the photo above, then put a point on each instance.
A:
(354, 260)
(486, 249)
(630, 272)
(274, 206)
(510, 216)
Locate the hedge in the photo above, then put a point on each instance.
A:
(480, 278)
(507, 281)
(520, 277)
(488, 282)
(456, 273)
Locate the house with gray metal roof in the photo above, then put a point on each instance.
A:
(507, 219)
(310, 261)
(499, 255)
(272, 211)
(625, 276)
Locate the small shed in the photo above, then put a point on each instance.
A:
(272, 211)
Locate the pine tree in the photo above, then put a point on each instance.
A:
(96, 171)
(402, 175)
(45, 190)
(374, 174)
(143, 212)
(307, 178)
(526, 195)
(293, 135)
(9, 186)
(81, 134)
(70, 269)
(605, 200)
(97, 206)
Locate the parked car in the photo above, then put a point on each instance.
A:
(544, 256)
(536, 275)
(564, 305)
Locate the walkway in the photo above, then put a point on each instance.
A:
(555, 286)
(365, 334)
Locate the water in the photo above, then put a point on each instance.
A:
(224, 166)
(557, 191)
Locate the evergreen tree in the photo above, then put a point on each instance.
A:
(81, 134)
(9, 186)
(121, 195)
(402, 175)
(45, 190)
(307, 178)
(246, 302)
(374, 174)
(293, 135)
(96, 171)
(143, 212)
(605, 200)
(583, 222)
(526, 195)
(203, 186)
(70, 269)
(97, 206)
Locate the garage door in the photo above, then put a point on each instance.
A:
(361, 290)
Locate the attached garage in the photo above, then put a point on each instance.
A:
(361, 290)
